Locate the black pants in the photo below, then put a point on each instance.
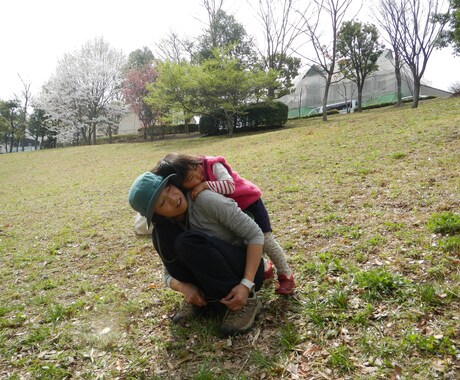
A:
(213, 265)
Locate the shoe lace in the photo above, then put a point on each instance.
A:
(233, 316)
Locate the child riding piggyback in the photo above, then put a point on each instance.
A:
(199, 173)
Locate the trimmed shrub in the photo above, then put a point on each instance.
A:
(254, 116)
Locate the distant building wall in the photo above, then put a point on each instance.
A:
(129, 124)
(379, 87)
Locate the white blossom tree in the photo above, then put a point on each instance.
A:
(84, 94)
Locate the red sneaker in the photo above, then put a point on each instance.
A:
(285, 285)
(268, 274)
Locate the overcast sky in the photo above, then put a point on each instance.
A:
(37, 33)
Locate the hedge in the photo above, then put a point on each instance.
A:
(255, 116)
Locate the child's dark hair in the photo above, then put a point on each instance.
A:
(176, 163)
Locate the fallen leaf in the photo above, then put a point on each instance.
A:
(396, 374)
(310, 350)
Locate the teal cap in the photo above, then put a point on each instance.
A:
(144, 193)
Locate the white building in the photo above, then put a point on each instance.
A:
(379, 87)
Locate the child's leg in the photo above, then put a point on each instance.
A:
(276, 254)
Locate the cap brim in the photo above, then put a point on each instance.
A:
(155, 197)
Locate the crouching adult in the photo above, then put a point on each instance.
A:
(210, 248)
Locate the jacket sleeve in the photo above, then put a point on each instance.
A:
(226, 212)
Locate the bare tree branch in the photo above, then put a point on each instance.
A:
(330, 12)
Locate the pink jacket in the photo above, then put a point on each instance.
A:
(245, 194)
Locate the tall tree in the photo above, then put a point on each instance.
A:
(281, 27)
(37, 126)
(358, 50)
(84, 93)
(139, 58)
(390, 21)
(225, 33)
(325, 50)
(454, 20)
(173, 48)
(451, 36)
(25, 98)
(219, 85)
(10, 112)
(421, 30)
(134, 90)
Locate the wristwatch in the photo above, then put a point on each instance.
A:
(249, 284)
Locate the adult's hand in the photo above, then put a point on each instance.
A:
(237, 298)
(192, 293)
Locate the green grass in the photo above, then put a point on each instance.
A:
(366, 206)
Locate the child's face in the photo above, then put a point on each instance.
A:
(194, 177)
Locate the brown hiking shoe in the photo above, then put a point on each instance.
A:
(186, 313)
(238, 322)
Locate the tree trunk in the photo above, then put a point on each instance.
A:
(359, 108)
(416, 92)
(94, 134)
(230, 125)
(326, 95)
(398, 81)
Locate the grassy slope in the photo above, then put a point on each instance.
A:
(349, 200)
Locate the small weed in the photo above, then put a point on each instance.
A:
(353, 232)
(437, 272)
(398, 155)
(332, 218)
(36, 336)
(391, 226)
(384, 348)
(363, 317)
(288, 244)
(439, 345)
(17, 321)
(427, 294)
(291, 189)
(262, 361)
(4, 310)
(289, 336)
(205, 373)
(446, 223)
(58, 312)
(339, 360)
(325, 257)
(50, 372)
(336, 266)
(313, 268)
(450, 244)
(376, 240)
(338, 299)
(317, 315)
(378, 283)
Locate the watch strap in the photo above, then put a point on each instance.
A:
(249, 284)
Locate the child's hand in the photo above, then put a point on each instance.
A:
(198, 189)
